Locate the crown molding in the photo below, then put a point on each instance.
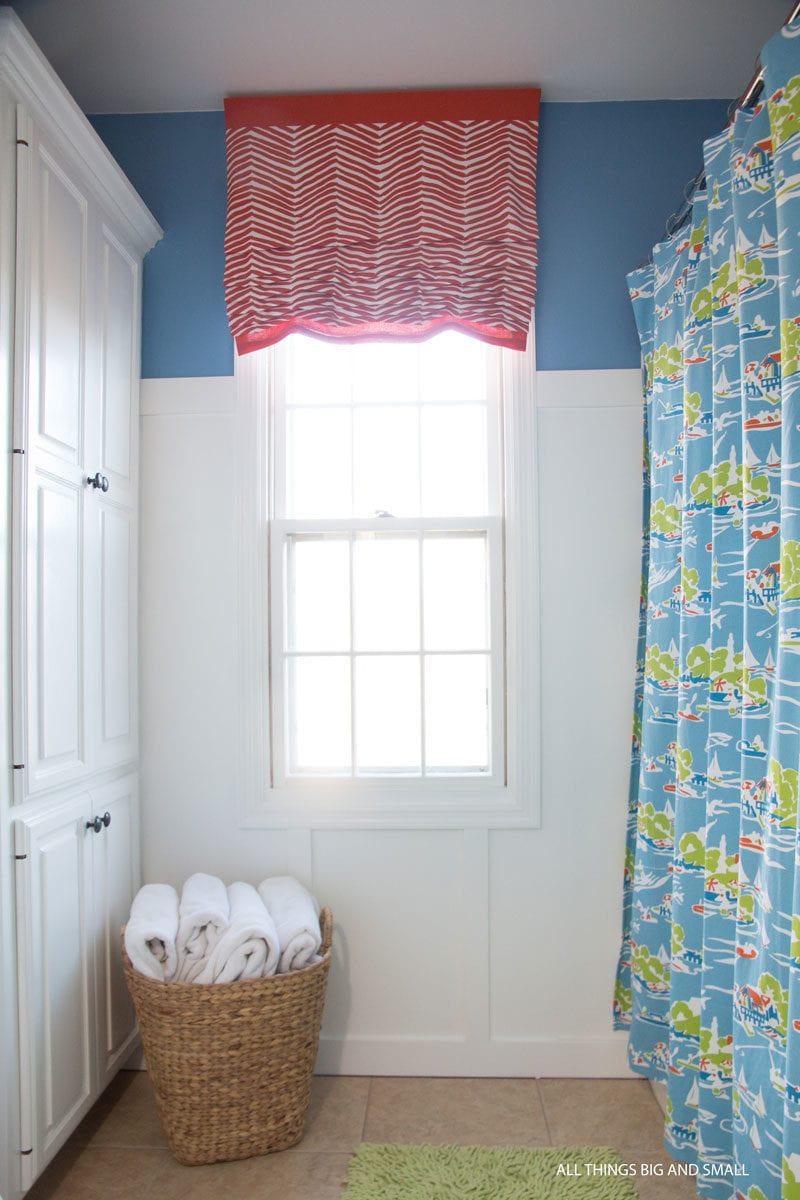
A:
(35, 84)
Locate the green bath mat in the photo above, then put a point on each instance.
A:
(486, 1173)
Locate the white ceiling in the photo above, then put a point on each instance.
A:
(175, 55)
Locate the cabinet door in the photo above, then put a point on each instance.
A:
(56, 979)
(75, 526)
(113, 441)
(112, 449)
(51, 381)
(115, 881)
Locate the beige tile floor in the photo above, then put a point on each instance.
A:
(119, 1153)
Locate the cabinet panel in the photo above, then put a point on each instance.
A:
(116, 563)
(55, 683)
(115, 881)
(58, 286)
(111, 648)
(55, 975)
(66, 1080)
(120, 287)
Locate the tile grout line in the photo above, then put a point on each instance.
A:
(121, 1145)
(366, 1108)
(126, 1146)
(544, 1110)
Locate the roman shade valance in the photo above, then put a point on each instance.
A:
(389, 215)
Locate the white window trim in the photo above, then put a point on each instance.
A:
(462, 802)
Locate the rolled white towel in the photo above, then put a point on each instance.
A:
(203, 916)
(249, 947)
(151, 931)
(296, 915)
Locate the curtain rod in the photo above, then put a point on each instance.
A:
(748, 96)
(753, 89)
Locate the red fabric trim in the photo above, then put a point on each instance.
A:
(350, 108)
(259, 339)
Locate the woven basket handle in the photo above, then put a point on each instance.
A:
(326, 929)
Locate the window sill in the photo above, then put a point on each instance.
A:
(491, 807)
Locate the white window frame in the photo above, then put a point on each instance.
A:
(511, 797)
(281, 530)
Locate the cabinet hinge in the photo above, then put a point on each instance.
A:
(23, 142)
(27, 1151)
(18, 766)
(16, 451)
(19, 857)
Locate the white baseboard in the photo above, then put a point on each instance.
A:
(547, 1058)
(136, 1061)
(567, 1058)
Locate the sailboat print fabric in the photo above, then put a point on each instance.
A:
(709, 976)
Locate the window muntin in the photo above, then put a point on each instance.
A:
(386, 556)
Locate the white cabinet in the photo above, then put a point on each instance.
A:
(50, 389)
(75, 433)
(77, 868)
(73, 234)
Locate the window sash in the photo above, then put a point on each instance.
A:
(279, 408)
(281, 531)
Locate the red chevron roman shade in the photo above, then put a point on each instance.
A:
(366, 216)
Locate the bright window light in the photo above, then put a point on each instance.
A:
(386, 562)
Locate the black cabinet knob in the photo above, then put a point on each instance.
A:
(98, 481)
(106, 818)
(96, 824)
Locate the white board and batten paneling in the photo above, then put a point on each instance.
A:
(70, 428)
(458, 950)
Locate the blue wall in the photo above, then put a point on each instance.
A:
(176, 161)
(609, 176)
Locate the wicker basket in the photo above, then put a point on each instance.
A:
(232, 1063)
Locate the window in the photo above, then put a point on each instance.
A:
(386, 561)
(400, 617)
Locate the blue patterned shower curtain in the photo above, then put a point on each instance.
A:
(709, 976)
